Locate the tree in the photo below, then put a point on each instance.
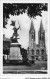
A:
(24, 55)
(32, 9)
(6, 47)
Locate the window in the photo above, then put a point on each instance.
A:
(42, 52)
(32, 52)
(32, 36)
(37, 52)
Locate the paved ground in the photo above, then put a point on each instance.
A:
(34, 68)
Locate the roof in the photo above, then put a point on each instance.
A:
(41, 26)
(37, 45)
(32, 25)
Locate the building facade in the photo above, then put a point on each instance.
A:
(36, 51)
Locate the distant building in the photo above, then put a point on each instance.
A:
(36, 51)
(5, 39)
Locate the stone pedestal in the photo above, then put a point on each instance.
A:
(15, 52)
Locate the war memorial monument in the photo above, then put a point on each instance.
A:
(15, 47)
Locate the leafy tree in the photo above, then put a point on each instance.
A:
(6, 47)
(32, 9)
(24, 54)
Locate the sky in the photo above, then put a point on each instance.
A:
(24, 21)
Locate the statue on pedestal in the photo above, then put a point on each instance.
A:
(15, 47)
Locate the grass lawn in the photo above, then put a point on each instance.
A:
(39, 65)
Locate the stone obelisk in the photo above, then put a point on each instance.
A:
(15, 47)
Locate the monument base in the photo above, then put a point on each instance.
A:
(15, 52)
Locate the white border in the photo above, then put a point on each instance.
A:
(1, 43)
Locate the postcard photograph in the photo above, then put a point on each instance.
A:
(25, 38)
